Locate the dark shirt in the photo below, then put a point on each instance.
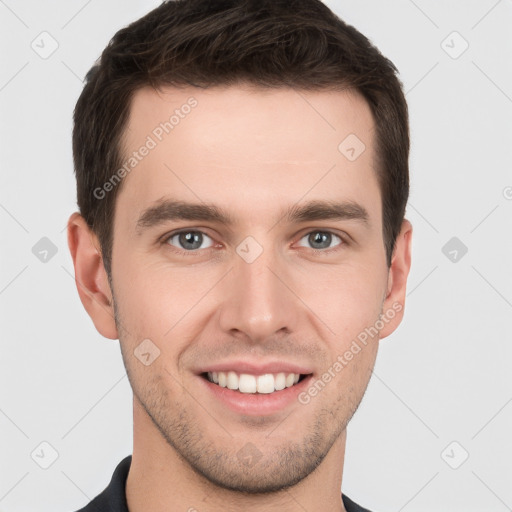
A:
(113, 498)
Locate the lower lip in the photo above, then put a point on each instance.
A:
(257, 404)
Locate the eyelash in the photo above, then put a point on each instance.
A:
(195, 252)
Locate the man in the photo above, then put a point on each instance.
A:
(242, 177)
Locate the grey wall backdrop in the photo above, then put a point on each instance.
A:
(433, 431)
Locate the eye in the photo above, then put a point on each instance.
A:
(320, 240)
(189, 240)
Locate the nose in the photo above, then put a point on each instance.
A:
(258, 298)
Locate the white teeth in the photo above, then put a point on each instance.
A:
(280, 381)
(265, 383)
(232, 380)
(247, 383)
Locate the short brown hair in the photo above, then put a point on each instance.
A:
(299, 44)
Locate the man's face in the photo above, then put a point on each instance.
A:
(267, 293)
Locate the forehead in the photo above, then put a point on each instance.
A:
(249, 149)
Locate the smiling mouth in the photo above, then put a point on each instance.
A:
(254, 384)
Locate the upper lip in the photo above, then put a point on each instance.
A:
(254, 368)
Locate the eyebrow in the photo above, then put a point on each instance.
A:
(171, 210)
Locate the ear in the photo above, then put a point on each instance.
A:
(90, 276)
(394, 303)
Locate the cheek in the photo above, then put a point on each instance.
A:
(137, 298)
(348, 298)
(158, 302)
(349, 302)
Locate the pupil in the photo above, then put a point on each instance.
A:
(318, 237)
(190, 237)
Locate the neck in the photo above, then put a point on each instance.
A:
(161, 480)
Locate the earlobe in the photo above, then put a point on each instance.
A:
(394, 303)
(90, 276)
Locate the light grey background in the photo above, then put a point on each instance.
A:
(442, 385)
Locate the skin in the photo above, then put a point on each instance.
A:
(251, 152)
